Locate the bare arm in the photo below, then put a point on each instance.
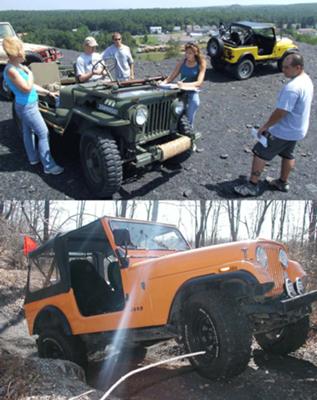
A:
(200, 79)
(174, 74)
(24, 85)
(275, 117)
(132, 71)
(45, 92)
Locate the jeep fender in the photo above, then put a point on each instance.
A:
(233, 284)
(245, 56)
(51, 317)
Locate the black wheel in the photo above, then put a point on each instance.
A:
(54, 344)
(244, 69)
(285, 340)
(218, 326)
(215, 47)
(107, 66)
(101, 162)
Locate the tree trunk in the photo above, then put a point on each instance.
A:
(46, 220)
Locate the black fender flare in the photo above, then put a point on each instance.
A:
(236, 284)
(52, 317)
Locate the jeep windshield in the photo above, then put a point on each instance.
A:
(152, 236)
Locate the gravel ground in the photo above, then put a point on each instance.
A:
(228, 108)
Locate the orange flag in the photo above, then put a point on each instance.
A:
(29, 245)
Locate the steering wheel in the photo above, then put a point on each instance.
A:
(106, 67)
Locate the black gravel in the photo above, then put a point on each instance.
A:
(228, 108)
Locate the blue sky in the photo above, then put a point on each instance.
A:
(126, 4)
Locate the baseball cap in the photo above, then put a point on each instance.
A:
(90, 41)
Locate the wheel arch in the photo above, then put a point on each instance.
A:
(51, 317)
(246, 56)
(233, 284)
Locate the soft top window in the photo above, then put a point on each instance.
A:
(43, 271)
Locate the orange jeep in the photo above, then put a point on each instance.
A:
(120, 280)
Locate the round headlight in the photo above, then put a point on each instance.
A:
(261, 257)
(141, 115)
(283, 258)
(178, 107)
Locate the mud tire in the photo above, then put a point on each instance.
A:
(286, 340)
(101, 163)
(54, 344)
(218, 325)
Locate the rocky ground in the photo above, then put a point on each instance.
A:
(24, 376)
(228, 108)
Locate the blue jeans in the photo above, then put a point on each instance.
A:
(193, 101)
(33, 124)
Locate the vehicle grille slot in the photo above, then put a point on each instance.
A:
(159, 118)
(275, 270)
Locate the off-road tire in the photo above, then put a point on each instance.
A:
(54, 344)
(290, 338)
(218, 325)
(101, 163)
(243, 69)
(215, 47)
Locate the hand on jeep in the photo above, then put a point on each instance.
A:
(53, 94)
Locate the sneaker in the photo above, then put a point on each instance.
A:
(34, 162)
(56, 170)
(247, 189)
(277, 184)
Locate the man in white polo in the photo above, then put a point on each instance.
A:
(86, 61)
(124, 69)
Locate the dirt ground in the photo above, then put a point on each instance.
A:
(228, 109)
(24, 376)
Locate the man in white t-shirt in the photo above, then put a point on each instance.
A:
(86, 61)
(287, 124)
(124, 69)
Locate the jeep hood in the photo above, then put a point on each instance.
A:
(285, 42)
(200, 259)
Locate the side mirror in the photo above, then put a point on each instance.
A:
(121, 237)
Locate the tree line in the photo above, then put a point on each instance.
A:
(57, 27)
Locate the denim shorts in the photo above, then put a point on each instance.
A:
(275, 146)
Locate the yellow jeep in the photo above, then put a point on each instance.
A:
(246, 44)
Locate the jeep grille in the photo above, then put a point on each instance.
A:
(275, 270)
(159, 118)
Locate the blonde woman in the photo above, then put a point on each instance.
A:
(19, 79)
(192, 73)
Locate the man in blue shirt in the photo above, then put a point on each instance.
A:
(287, 124)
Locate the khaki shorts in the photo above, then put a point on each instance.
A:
(275, 146)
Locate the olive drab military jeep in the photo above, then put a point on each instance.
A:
(126, 281)
(133, 123)
(246, 44)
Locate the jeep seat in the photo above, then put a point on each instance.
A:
(93, 294)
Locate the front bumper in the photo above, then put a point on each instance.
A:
(282, 306)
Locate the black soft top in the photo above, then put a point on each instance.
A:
(254, 25)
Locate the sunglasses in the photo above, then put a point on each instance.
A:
(117, 39)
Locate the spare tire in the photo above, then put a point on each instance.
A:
(215, 47)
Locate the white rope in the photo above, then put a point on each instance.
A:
(136, 371)
(80, 395)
